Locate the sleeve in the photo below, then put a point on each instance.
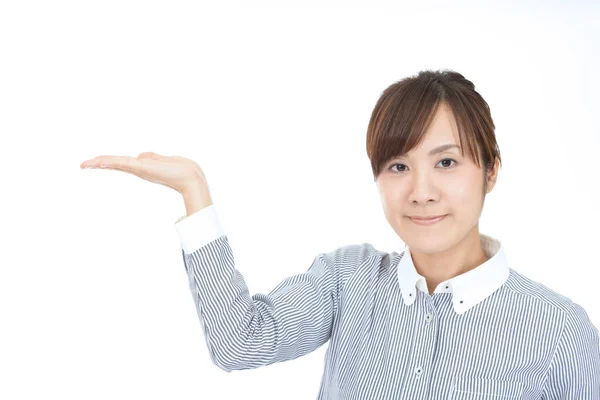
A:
(243, 331)
(575, 368)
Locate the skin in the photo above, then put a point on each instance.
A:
(420, 184)
(178, 173)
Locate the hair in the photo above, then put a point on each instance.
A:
(406, 108)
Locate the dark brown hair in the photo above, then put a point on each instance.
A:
(406, 108)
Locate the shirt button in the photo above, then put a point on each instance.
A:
(429, 317)
(419, 371)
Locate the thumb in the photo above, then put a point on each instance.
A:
(149, 154)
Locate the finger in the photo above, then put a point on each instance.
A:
(114, 162)
(142, 168)
(108, 161)
(127, 164)
(93, 162)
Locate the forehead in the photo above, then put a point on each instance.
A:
(442, 130)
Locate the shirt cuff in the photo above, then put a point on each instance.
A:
(199, 229)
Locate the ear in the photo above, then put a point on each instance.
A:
(492, 176)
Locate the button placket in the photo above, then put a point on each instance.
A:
(419, 370)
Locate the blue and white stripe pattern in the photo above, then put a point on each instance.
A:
(490, 333)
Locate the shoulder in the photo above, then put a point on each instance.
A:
(350, 259)
(544, 299)
(352, 254)
(359, 263)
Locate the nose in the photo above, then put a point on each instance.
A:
(423, 188)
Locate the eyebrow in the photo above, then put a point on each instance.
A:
(442, 148)
(437, 150)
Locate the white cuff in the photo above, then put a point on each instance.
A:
(199, 229)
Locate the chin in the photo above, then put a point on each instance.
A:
(428, 243)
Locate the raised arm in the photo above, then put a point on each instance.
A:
(241, 331)
(244, 331)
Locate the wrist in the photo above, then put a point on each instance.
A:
(196, 197)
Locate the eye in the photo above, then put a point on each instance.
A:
(404, 170)
(449, 159)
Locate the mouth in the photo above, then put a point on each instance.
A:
(427, 221)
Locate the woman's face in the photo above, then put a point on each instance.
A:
(440, 183)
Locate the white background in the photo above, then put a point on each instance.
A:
(273, 101)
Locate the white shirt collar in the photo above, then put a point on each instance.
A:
(468, 289)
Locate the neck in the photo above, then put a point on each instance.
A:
(442, 266)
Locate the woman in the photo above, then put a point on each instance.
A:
(445, 318)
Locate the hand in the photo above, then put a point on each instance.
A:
(176, 172)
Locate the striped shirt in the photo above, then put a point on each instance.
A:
(489, 333)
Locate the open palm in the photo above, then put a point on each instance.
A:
(175, 172)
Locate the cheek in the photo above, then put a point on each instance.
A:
(462, 188)
(464, 195)
(390, 192)
(395, 198)
(393, 204)
(460, 192)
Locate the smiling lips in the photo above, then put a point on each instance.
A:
(426, 221)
